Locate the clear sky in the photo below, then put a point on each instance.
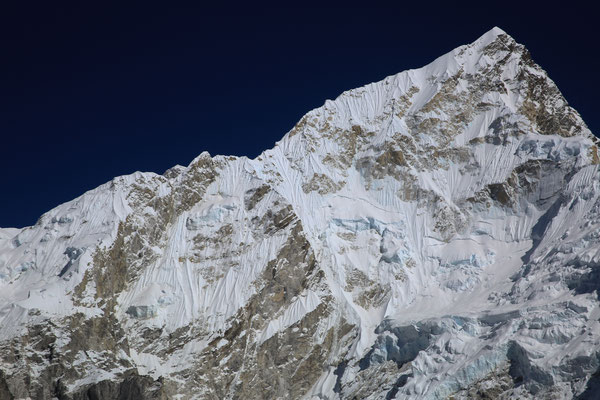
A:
(101, 89)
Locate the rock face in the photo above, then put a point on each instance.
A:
(434, 235)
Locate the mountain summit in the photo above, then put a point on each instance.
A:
(434, 235)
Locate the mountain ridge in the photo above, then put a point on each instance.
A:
(413, 238)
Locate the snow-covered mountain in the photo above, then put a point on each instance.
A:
(434, 235)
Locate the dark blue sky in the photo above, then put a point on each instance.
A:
(96, 90)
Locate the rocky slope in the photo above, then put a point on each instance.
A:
(430, 236)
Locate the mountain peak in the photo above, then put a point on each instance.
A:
(492, 34)
(427, 225)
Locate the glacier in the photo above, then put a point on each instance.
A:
(433, 235)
